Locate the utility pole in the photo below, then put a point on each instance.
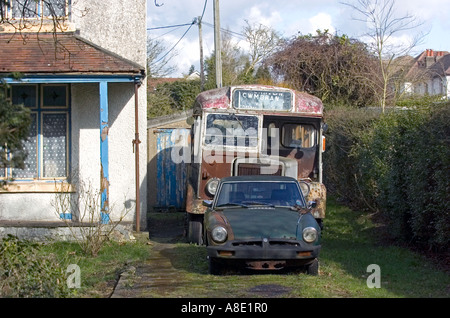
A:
(217, 48)
(202, 72)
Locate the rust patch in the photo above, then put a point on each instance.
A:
(105, 132)
(318, 193)
(307, 103)
(266, 265)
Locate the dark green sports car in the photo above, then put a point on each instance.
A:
(261, 223)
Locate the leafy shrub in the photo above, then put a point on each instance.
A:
(25, 272)
(397, 163)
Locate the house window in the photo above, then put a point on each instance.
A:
(47, 144)
(30, 9)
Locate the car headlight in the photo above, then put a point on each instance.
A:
(219, 234)
(211, 186)
(305, 188)
(309, 234)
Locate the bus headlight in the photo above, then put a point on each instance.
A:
(309, 234)
(211, 186)
(305, 188)
(219, 234)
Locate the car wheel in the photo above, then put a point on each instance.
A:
(313, 268)
(214, 267)
(195, 229)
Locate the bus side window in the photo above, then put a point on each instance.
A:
(298, 136)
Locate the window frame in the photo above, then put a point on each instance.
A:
(39, 13)
(40, 111)
(313, 138)
(224, 145)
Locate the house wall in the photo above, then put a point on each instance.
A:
(119, 27)
(447, 86)
(86, 147)
(116, 25)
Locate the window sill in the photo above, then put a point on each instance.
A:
(37, 25)
(37, 187)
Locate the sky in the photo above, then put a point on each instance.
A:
(288, 17)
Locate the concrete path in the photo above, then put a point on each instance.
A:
(153, 278)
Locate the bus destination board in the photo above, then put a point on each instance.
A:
(262, 100)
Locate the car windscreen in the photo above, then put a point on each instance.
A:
(259, 193)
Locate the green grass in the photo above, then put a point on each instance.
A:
(99, 274)
(350, 243)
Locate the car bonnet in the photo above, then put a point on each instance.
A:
(262, 222)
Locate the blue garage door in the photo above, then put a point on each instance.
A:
(171, 168)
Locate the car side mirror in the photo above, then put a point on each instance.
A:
(312, 204)
(207, 203)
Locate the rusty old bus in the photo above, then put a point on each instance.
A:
(253, 130)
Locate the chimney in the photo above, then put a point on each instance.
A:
(429, 59)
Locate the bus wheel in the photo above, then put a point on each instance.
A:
(195, 229)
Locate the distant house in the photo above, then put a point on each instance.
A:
(153, 83)
(83, 78)
(429, 74)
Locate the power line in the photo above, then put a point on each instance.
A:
(168, 26)
(160, 36)
(176, 25)
(232, 33)
(203, 13)
(190, 26)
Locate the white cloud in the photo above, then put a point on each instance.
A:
(256, 15)
(321, 21)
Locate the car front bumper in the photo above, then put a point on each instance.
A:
(256, 253)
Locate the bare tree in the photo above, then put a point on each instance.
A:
(263, 42)
(233, 62)
(158, 66)
(384, 25)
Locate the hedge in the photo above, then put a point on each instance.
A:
(397, 164)
(169, 98)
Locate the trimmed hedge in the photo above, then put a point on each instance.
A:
(397, 163)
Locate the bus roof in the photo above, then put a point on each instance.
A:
(301, 103)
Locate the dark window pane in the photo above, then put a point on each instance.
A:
(24, 94)
(55, 96)
(231, 130)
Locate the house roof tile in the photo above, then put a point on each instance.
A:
(59, 53)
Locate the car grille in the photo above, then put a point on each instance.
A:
(269, 242)
(248, 169)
